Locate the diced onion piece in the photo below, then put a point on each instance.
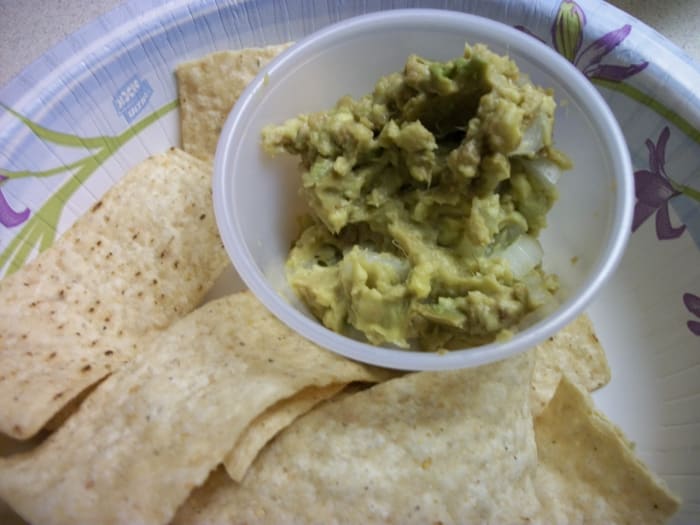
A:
(538, 294)
(523, 255)
(532, 139)
(545, 170)
(400, 266)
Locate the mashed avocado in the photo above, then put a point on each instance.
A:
(426, 200)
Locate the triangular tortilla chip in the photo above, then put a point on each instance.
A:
(575, 351)
(428, 448)
(143, 256)
(432, 447)
(588, 473)
(153, 430)
(269, 423)
(209, 87)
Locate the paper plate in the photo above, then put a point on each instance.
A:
(104, 99)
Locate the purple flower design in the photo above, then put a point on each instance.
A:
(9, 217)
(654, 189)
(567, 38)
(692, 303)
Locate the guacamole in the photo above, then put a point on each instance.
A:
(426, 198)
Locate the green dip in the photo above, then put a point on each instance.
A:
(426, 200)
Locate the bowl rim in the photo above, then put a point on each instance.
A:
(601, 117)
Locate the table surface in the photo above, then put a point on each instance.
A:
(30, 27)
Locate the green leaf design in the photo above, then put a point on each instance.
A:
(39, 231)
(40, 174)
(59, 138)
(632, 92)
(689, 192)
(567, 30)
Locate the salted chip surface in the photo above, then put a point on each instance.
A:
(587, 471)
(209, 87)
(574, 351)
(143, 256)
(447, 447)
(269, 423)
(154, 429)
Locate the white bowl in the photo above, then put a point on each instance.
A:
(257, 201)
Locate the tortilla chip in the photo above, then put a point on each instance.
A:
(269, 423)
(154, 429)
(209, 87)
(575, 351)
(8, 516)
(587, 472)
(431, 447)
(143, 256)
(69, 409)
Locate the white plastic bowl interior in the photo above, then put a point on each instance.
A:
(256, 198)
